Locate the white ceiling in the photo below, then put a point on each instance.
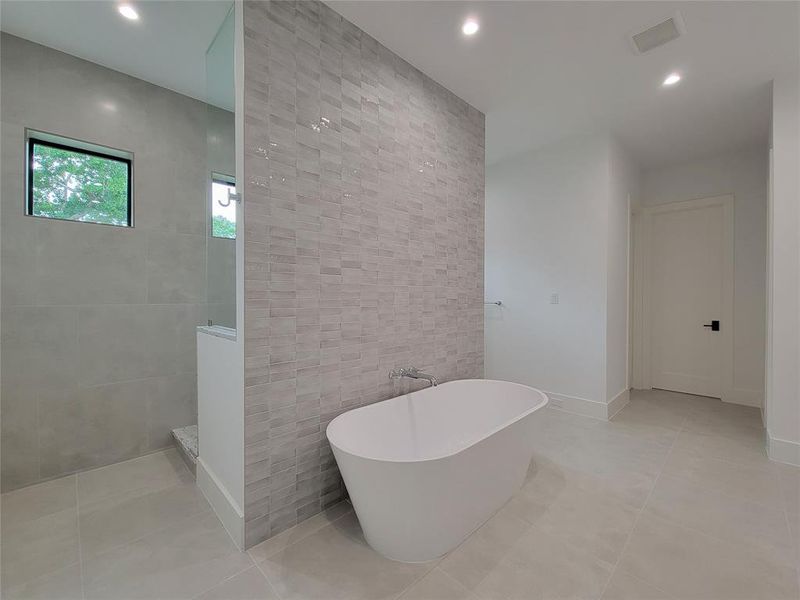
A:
(166, 46)
(541, 71)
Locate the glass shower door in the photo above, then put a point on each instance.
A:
(222, 206)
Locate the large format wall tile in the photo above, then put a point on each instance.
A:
(120, 343)
(19, 454)
(118, 280)
(91, 426)
(176, 268)
(78, 263)
(40, 346)
(364, 196)
(171, 402)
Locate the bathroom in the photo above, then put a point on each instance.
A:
(387, 299)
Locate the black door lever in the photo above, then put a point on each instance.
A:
(714, 325)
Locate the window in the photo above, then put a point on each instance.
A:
(77, 181)
(223, 206)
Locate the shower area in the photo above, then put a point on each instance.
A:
(120, 221)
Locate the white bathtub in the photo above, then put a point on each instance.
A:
(426, 469)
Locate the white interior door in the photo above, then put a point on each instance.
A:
(690, 287)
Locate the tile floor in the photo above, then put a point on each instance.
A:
(674, 498)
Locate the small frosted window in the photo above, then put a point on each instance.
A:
(223, 208)
(78, 182)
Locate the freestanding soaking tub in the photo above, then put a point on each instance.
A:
(426, 469)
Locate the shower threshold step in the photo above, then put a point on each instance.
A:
(186, 442)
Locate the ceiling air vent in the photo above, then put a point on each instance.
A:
(659, 34)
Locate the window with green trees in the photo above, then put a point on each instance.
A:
(78, 184)
(223, 207)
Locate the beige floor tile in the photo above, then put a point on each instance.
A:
(142, 475)
(178, 562)
(753, 484)
(546, 479)
(437, 585)
(581, 514)
(676, 402)
(552, 430)
(731, 420)
(627, 587)
(541, 566)
(483, 550)
(300, 531)
(722, 522)
(652, 412)
(63, 584)
(37, 547)
(726, 411)
(646, 433)
(742, 450)
(247, 585)
(790, 488)
(726, 517)
(116, 521)
(335, 563)
(689, 564)
(627, 467)
(794, 529)
(39, 500)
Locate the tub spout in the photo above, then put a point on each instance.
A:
(412, 373)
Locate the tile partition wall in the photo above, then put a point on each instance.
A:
(364, 214)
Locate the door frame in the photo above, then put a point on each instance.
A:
(642, 300)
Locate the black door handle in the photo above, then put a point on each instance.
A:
(714, 325)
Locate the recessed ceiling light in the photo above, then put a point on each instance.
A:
(470, 27)
(672, 79)
(127, 11)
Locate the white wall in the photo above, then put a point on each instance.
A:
(783, 356)
(623, 191)
(220, 412)
(744, 174)
(549, 218)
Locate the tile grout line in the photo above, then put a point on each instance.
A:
(297, 541)
(78, 526)
(719, 492)
(98, 467)
(239, 572)
(402, 592)
(266, 558)
(510, 549)
(266, 577)
(453, 579)
(794, 546)
(182, 520)
(640, 513)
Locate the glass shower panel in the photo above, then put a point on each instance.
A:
(222, 207)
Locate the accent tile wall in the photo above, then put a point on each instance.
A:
(364, 214)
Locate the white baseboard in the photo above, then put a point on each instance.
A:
(783, 451)
(619, 402)
(578, 406)
(222, 502)
(589, 408)
(744, 397)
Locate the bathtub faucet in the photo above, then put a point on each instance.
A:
(412, 373)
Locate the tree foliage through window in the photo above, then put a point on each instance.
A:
(77, 186)
(223, 208)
